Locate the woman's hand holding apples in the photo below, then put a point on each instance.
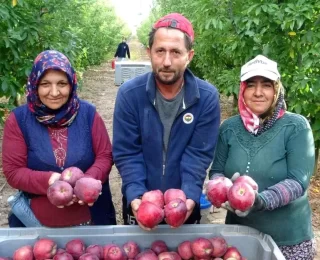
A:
(72, 186)
(55, 176)
(243, 196)
(238, 195)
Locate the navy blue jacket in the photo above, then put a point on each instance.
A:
(138, 137)
(122, 50)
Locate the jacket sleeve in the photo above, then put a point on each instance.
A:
(127, 151)
(199, 152)
(102, 165)
(14, 160)
(128, 51)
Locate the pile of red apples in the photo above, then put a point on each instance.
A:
(215, 248)
(240, 194)
(74, 183)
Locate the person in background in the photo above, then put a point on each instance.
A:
(53, 131)
(122, 50)
(165, 122)
(276, 149)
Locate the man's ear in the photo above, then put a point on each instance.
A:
(190, 56)
(149, 52)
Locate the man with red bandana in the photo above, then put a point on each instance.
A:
(165, 122)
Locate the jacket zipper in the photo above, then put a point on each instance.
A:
(164, 163)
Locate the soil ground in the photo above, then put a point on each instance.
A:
(98, 88)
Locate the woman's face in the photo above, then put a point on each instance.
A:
(54, 89)
(259, 94)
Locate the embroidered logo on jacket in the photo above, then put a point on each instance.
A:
(188, 118)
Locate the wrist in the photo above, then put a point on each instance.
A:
(259, 204)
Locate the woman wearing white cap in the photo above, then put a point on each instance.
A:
(276, 149)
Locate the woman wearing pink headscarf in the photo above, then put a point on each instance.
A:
(276, 149)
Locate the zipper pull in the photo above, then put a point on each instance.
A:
(163, 169)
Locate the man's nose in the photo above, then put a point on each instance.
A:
(167, 60)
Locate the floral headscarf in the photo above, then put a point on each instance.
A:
(63, 116)
(255, 124)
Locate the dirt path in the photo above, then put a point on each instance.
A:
(98, 88)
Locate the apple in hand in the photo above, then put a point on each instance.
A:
(87, 190)
(247, 179)
(172, 194)
(149, 214)
(217, 190)
(71, 175)
(241, 196)
(154, 196)
(175, 212)
(60, 193)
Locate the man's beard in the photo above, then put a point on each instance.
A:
(173, 80)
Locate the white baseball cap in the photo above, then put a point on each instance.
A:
(260, 66)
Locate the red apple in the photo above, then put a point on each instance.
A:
(76, 248)
(96, 250)
(184, 250)
(106, 250)
(169, 256)
(241, 196)
(71, 175)
(87, 190)
(175, 212)
(154, 196)
(232, 252)
(89, 256)
(44, 248)
(159, 246)
(202, 248)
(172, 194)
(116, 253)
(63, 256)
(60, 193)
(149, 214)
(147, 255)
(131, 249)
(23, 253)
(61, 250)
(217, 190)
(220, 246)
(247, 179)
